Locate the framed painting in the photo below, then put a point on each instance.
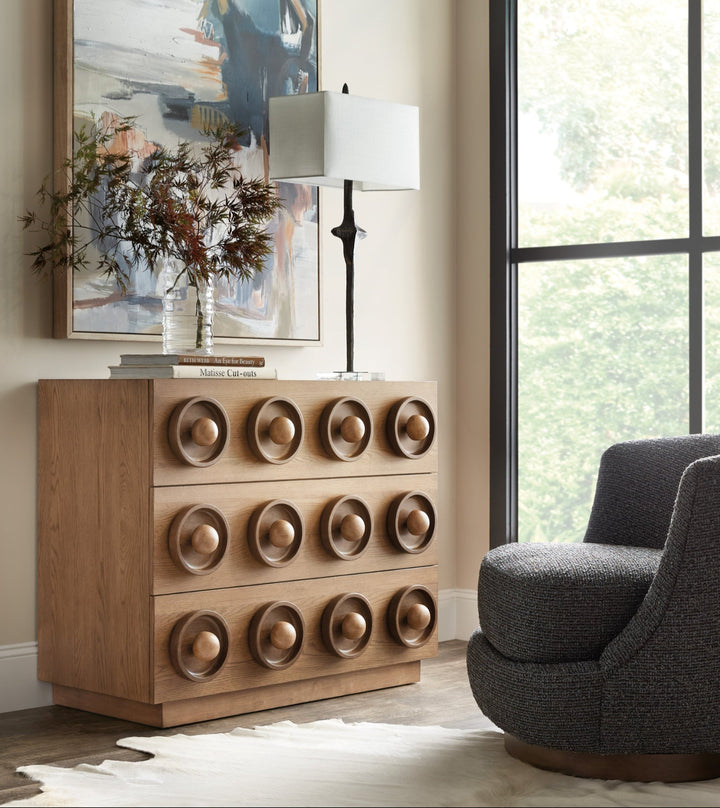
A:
(177, 67)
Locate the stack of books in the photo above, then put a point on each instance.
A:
(191, 366)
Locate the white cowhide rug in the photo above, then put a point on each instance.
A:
(332, 763)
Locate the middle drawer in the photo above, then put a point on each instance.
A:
(235, 534)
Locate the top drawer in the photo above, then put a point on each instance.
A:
(237, 431)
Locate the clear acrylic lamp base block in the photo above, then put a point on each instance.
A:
(352, 376)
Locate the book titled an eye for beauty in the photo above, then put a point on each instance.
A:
(191, 366)
(192, 359)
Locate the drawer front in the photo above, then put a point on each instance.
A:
(291, 631)
(332, 527)
(238, 431)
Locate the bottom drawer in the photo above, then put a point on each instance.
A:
(234, 639)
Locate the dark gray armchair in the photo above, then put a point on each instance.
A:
(602, 658)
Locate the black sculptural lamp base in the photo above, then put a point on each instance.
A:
(347, 231)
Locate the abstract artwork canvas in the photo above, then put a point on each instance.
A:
(178, 67)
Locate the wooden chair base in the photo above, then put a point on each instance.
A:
(641, 768)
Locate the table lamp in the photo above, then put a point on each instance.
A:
(344, 141)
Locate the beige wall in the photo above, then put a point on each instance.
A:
(473, 286)
(408, 321)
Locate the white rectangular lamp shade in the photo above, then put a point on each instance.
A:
(326, 138)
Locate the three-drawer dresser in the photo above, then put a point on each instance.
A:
(215, 547)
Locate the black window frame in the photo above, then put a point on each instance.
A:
(506, 255)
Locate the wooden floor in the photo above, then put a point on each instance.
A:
(66, 737)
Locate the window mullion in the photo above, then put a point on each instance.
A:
(503, 275)
(696, 371)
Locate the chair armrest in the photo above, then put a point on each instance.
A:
(681, 609)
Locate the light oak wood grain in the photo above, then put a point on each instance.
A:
(238, 463)
(116, 574)
(311, 597)
(239, 501)
(206, 708)
(94, 609)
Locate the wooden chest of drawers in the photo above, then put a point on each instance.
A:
(207, 548)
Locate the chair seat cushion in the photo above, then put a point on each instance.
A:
(560, 602)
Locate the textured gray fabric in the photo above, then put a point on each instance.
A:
(550, 705)
(560, 603)
(664, 667)
(655, 686)
(636, 488)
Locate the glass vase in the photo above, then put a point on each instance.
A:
(188, 311)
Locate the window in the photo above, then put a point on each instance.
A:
(605, 244)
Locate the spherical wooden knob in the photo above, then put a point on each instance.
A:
(352, 429)
(282, 430)
(283, 635)
(353, 626)
(417, 427)
(276, 634)
(206, 646)
(417, 522)
(205, 539)
(281, 533)
(418, 616)
(204, 431)
(352, 527)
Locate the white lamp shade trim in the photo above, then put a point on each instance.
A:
(326, 138)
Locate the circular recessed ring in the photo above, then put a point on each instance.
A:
(275, 532)
(346, 525)
(346, 428)
(277, 634)
(193, 419)
(411, 521)
(347, 625)
(198, 538)
(411, 427)
(189, 654)
(275, 429)
(412, 615)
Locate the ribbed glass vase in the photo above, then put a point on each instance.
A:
(188, 311)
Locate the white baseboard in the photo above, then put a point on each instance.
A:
(20, 688)
(457, 614)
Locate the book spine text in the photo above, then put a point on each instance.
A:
(219, 372)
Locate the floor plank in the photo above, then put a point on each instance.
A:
(66, 737)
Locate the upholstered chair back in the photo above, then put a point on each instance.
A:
(637, 485)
